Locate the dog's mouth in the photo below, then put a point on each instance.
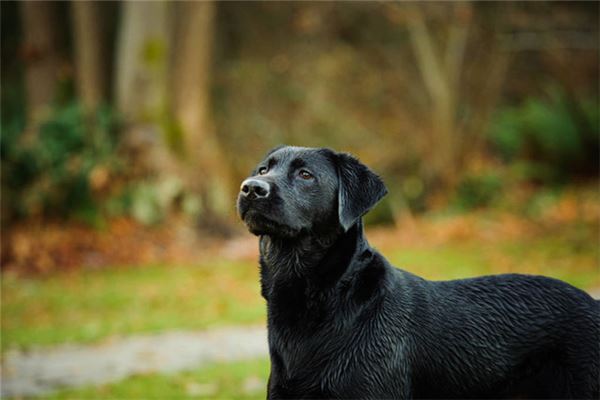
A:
(259, 224)
(259, 217)
(245, 207)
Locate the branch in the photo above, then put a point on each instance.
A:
(458, 32)
(427, 57)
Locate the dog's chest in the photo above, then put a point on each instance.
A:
(311, 359)
(334, 359)
(294, 304)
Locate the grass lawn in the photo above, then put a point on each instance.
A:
(240, 380)
(90, 305)
(86, 306)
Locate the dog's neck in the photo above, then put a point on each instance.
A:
(322, 258)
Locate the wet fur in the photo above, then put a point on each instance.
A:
(344, 323)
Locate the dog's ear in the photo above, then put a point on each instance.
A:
(359, 189)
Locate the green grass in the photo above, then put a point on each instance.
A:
(240, 380)
(91, 305)
(86, 306)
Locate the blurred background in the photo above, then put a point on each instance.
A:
(128, 126)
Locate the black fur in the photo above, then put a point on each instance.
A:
(344, 323)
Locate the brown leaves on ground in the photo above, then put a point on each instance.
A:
(37, 247)
(572, 208)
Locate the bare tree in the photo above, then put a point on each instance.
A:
(441, 70)
(448, 72)
(90, 52)
(141, 63)
(163, 70)
(41, 54)
(190, 94)
(140, 79)
(141, 97)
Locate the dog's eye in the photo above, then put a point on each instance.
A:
(304, 174)
(262, 170)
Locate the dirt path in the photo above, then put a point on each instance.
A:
(41, 371)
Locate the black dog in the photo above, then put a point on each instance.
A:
(344, 323)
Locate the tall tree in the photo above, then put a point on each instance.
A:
(41, 55)
(441, 52)
(440, 69)
(141, 97)
(190, 93)
(141, 63)
(162, 89)
(90, 52)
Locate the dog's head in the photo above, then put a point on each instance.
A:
(297, 190)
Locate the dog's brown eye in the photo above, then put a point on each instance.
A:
(305, 174)
(262, 170)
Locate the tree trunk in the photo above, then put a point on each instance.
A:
(141, 85)
(441, 69)
(204, 163)
(40, 51)
(141, 63)
(90, 52)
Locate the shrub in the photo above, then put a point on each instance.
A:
(58, 170)
(558, 137)
(477, 191)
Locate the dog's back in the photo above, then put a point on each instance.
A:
(506, 335)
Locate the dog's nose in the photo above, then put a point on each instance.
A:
(252, 188)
